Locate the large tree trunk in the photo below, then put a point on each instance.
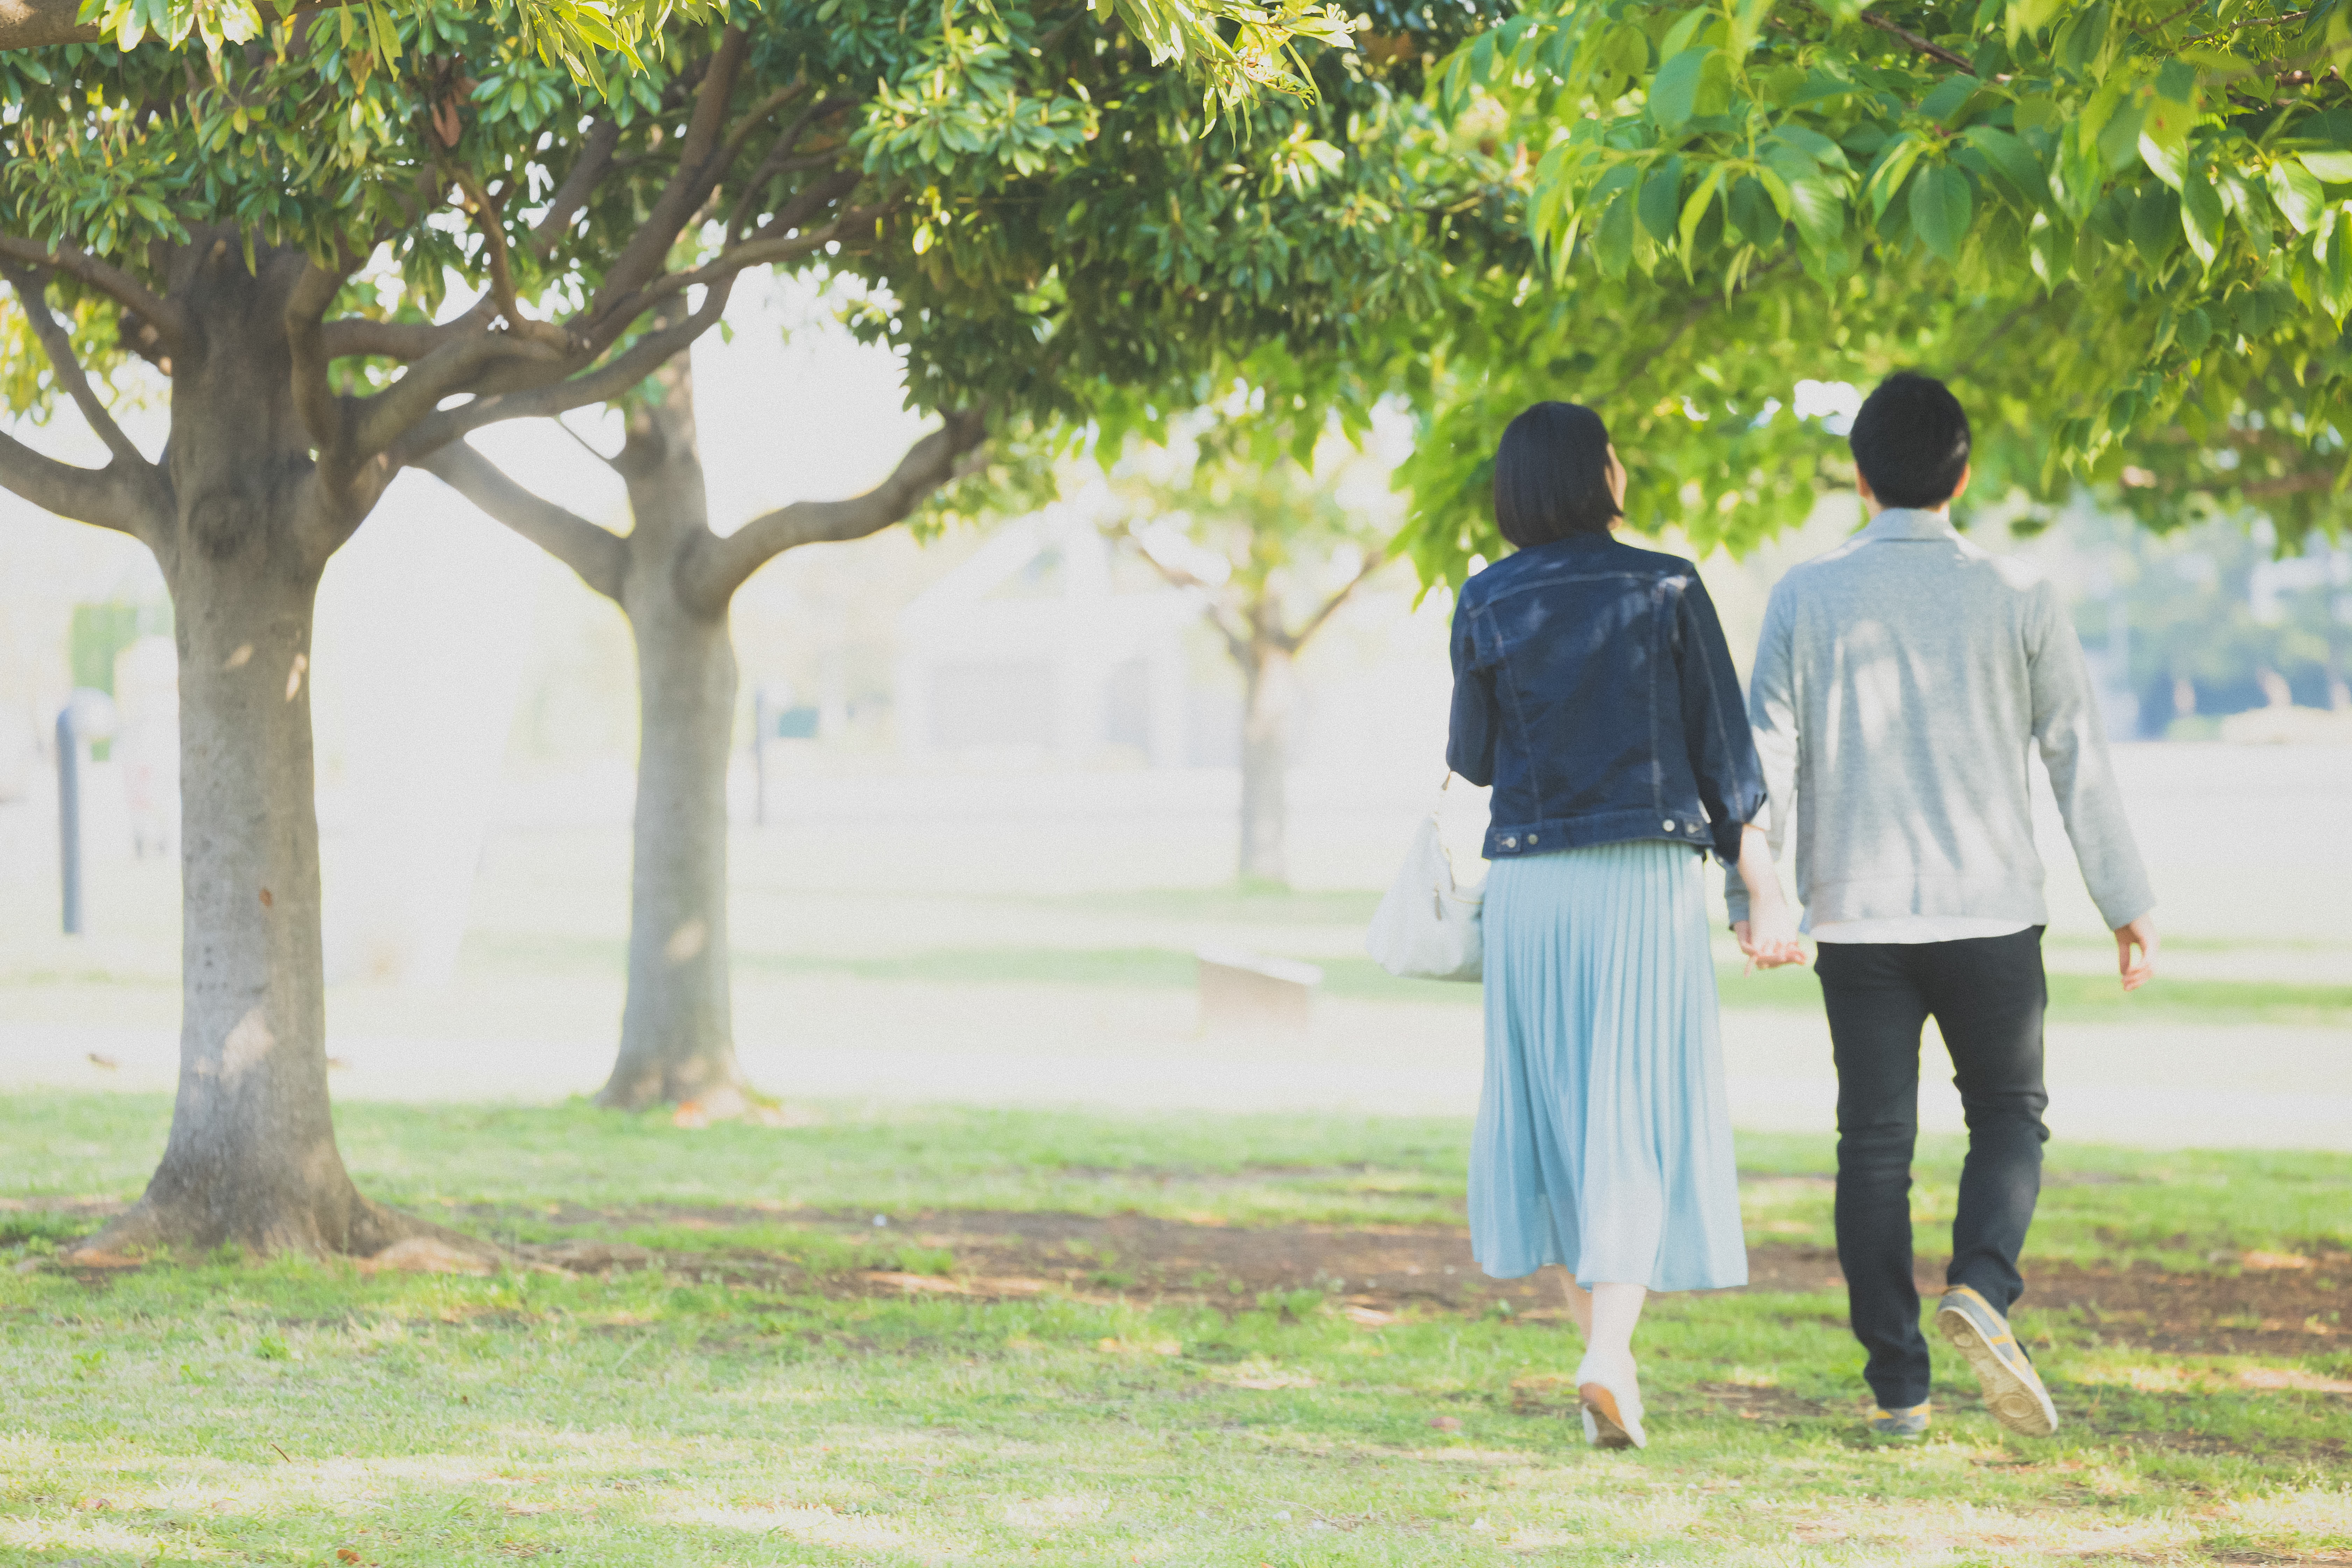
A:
(1270, 693)
(677, 1034)
(251, 1159)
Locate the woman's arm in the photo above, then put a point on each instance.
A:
(1470, 733)
(1722, 753)
(1768, 935)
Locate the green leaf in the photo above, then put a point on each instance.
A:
(2052, 247)
(2012, 160)
(1941, 205)
(2201, 217)
(2118, 137)
(1685, 32)
(2029, 17)
(2336, 168)
(1812, 144)
(1674, 94)
(1895, 161)
(2164, 139)
(1661, 198)
(1612, 242)
(1696, 208)
(2297, 194)
(2154, 224)
(1818, 206)
(1752, 213)
(1949, 94)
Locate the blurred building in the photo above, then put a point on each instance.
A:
(1040, 647)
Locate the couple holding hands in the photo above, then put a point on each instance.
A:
(1900, 682)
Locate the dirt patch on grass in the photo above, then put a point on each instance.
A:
(2276, 1306)
(2296, 1311)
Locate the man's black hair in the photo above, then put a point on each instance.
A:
(1551, 476)
(1911, 441)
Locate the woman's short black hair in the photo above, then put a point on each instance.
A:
(1551, 476)
(1911, 441)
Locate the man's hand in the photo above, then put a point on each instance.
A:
(2140, 934)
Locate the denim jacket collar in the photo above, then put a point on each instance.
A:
(1909, 523)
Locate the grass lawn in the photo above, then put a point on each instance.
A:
(1084, 1340)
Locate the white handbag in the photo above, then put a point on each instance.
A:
(1427, 927)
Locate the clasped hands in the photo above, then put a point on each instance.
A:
(1770, 940)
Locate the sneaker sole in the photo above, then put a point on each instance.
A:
(2015, 1402)
(1607, 1427)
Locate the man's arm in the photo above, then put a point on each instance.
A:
(1773, 722)
(2066, 730)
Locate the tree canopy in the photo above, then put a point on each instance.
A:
(2124, 230)
(1238, 52)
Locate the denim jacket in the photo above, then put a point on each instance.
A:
(1592, 689)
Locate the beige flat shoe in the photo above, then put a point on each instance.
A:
(1610, 1420)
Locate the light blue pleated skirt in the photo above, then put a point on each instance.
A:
(1604, 1136)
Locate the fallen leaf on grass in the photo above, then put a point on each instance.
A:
(2289, 1377)
(2275, 1260)
(936, 1285)
(584, 1254)
(425, 1255)
(1146, 1347)
(89, 1259)
(928, 1284)
(1272, 1380)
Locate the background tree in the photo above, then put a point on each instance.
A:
(1244, 508)
(675, 579)
(273, 235)
(1091, 269)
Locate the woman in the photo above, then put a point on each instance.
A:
(1592, 689)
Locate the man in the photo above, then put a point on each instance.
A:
(1899, 681)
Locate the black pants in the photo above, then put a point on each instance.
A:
(1986, 996)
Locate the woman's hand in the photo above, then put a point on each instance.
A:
(1768, 936)
(1769, 941)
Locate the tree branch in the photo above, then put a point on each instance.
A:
(779, 157)
(393, 415)
(58, 343)
(579, 184)
(1934, 52)
(110, 281)
(715, 568)
(742, 257)
(1691, 319)
(599, 555)
(1219, 615)
(353, 337)
(601, 384)
(324, 415)
(641, 259)
(103, 498)
(493, 231)
(1374, 561)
